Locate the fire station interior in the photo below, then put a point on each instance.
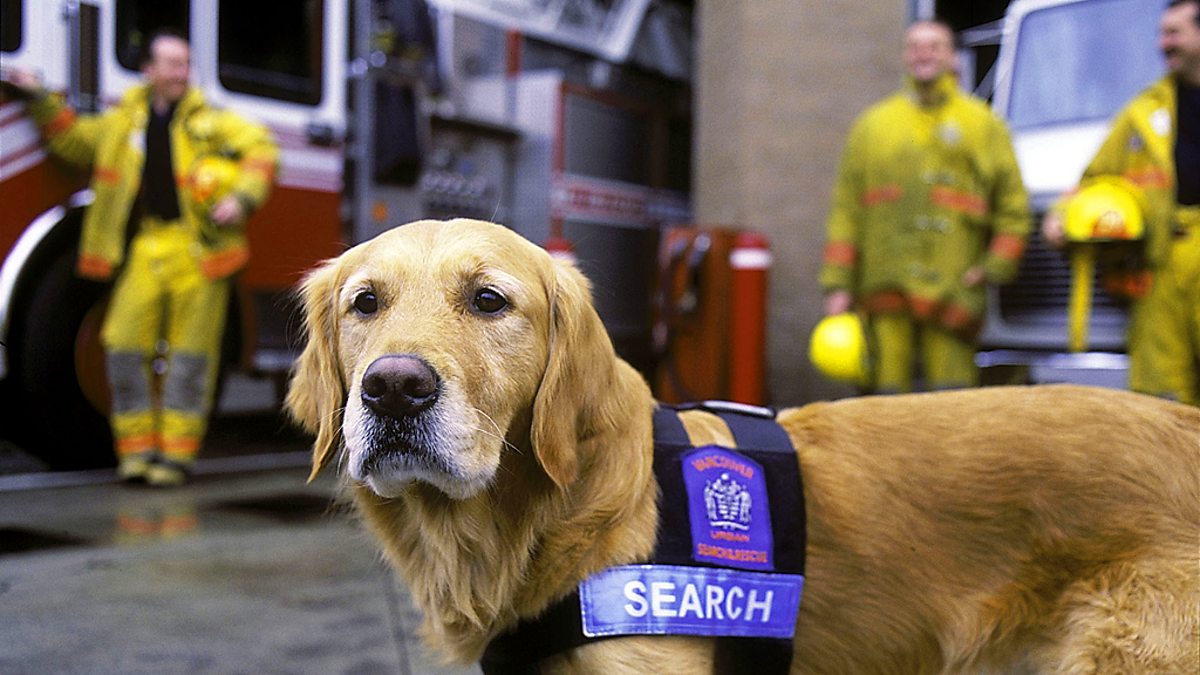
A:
(646, 165)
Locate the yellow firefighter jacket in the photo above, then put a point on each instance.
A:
(923, 194)
(112, 145)
(1140, 148)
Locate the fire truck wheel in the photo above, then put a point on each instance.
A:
(57, 423)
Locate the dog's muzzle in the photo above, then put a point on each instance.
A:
(399, 386)
(407, 426)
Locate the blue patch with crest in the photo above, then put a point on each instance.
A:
(728, 508)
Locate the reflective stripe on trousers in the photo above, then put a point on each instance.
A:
(161, 296)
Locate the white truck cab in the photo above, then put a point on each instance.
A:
(1064, 69)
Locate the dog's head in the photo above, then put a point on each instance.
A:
(438, 346)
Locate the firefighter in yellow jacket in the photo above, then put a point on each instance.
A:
(927, 209)
(173, 278)
(1155, 145)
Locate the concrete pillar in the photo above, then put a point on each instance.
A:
(778, 84)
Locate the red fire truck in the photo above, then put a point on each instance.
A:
(547, 117)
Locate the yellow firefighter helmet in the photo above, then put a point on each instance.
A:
(838, 348)
(1104, 212)
(1108, 209)
(211, 180)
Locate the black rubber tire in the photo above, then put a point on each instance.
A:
(54, 422)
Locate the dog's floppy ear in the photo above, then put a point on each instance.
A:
(316, 394)
(578, 374)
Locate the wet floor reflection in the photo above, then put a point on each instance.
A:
(246, 572)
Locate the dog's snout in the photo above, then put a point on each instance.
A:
(399, 386)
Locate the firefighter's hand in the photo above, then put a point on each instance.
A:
(974, 276)
(229, 211)
(1052, 229)
(25, 82)
(837, 302)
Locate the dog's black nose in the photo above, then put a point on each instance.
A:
(399, 386)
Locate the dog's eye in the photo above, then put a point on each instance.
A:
(488, 301)
(366, 303)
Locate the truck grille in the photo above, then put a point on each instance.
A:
(1040, 294)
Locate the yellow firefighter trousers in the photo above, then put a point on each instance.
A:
(1164, 327)
(948, 361)
(163, 306)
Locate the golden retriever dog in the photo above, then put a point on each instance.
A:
(500, 452)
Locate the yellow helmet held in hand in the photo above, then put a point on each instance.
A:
(1106, 209)
(211, 179)
(838, 348)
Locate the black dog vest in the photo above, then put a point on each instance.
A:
(728, 563)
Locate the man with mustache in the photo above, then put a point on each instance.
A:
(1155, 145)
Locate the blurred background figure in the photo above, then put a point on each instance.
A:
(1154, 147)
(174, 181)
(927, 209)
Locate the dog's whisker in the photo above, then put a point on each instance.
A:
(502, 439)
(499, 433)
(335, 414)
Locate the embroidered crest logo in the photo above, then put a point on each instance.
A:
(728, 503)
(728, 508)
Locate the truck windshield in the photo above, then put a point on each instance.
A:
(1082, 61)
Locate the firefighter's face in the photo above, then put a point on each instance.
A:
(169, 68)
(1179, 40)
(928, 51)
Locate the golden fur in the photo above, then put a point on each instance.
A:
(1044, 529)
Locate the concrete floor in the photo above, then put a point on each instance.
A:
(243, 571)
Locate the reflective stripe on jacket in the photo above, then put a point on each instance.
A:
(923, 194)
(112, 144)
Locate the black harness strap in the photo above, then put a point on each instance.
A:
(518, 651)
(757, 436)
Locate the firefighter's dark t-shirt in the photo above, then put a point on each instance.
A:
(159, 197)
(1187, 146)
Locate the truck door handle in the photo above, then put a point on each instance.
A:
(320, 134)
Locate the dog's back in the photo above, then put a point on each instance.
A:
(1057, 524)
